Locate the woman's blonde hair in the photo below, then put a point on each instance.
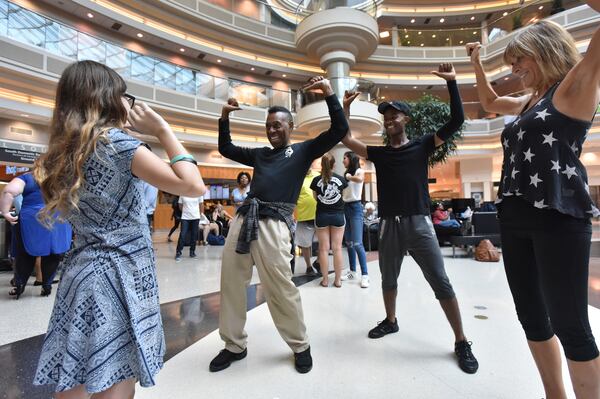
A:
(550, 45)
(88, 104)
(327, 162)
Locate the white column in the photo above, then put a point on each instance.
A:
(467, 190)
(484, 32)
(338, 153)
(395, 39)
(487, 190)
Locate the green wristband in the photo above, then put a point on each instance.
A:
(178, 158)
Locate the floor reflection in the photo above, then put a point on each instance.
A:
(185, 322)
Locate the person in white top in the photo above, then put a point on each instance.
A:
(191, 207)
(353, 210)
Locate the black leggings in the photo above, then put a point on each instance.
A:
(25, 263)
(546, 258)
(175, 226)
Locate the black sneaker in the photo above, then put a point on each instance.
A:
(193, 255)
(224, 359)
(466, 360)
(383, 328)
(178, 257)
(303, 361)
(317, 266)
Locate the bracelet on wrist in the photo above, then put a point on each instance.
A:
(183, 157)
(191, 160)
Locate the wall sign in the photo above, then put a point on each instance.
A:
(20, 152)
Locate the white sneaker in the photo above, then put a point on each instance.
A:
(348, 276)
(364, 282)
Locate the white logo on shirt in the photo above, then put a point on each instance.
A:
(288, 152)
(331, 193)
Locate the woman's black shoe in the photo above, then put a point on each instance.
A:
(46, 290)
(17, 291)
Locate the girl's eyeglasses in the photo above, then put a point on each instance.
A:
(130, 99)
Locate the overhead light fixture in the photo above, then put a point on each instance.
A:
(447, 39)
(475, 85)
(140, 35)
(506, 78)
(442, 20)
(182, 50)
(384, 34)
(433, 35)
(24, 115)
(473, 18)
(505, 13)
(412, 21)
(284, 75)
(408, 42)
(474, 32)
(406, 36)
(420, 32)
(422, 44)
(383, 97)
(252, 69)
(414, 87)
(540, 7)
(90, 15)
(461, 42)
(219, 61)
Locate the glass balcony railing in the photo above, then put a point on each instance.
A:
(495, 26)
(28, 27)
(368, 91)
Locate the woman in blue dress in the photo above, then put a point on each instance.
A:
(105, 333)
(31, 238)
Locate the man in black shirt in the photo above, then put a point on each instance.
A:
(261, 231)
(402, 188)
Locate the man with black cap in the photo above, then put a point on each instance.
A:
(402, 188)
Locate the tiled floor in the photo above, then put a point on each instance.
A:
(415, 363)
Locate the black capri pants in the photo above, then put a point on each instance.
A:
(546, 259)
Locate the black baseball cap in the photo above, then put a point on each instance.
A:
(399, 105)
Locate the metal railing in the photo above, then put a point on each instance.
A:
(29, 27)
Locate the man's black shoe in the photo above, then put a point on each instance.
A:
(224, 359)
(466, 360)
(303, 361)
(383, 328)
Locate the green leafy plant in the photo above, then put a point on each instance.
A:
(427, 115)
(557, 6)
(517, 20)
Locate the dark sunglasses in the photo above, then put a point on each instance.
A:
(130, 99)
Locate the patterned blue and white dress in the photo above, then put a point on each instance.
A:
(106, 325)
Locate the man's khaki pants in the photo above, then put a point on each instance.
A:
(271, 253)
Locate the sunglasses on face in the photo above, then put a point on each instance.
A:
(130, 99)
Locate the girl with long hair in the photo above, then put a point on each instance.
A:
(544, 203)
(353, 210)
(329, 220)
(105, 333)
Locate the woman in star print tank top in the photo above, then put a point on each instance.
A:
(543, 198)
